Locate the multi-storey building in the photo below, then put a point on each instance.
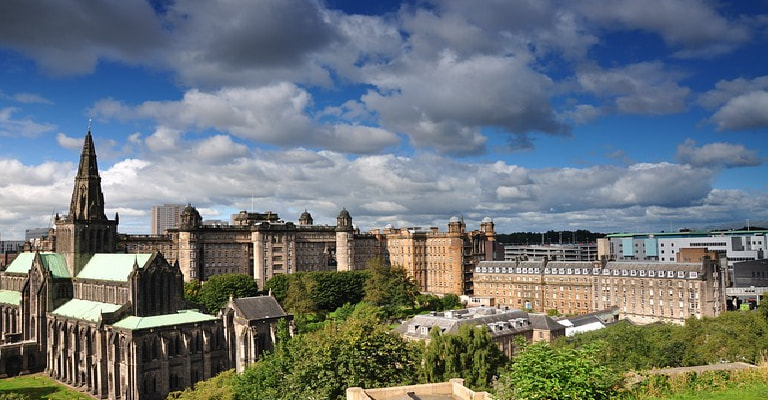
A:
(737, 246)
(165, 217)
(643, 291)
(560, 252)
(263, 245)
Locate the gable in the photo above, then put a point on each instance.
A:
(51, 262)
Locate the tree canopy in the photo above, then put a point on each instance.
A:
(215, 292)
(542, 372)
(389, 286)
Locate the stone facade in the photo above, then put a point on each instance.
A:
(263, 245)
(643, 291)
(110, 324)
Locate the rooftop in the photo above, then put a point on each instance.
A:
(86, 310)
(113, 267)
(181, 318)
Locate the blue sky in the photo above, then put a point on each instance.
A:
(608, 116)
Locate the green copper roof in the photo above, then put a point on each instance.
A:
(112, 267)
(85, 309)
(181, 318)
(56, 264)
(10, 297)
(51, 261)
(21, 264)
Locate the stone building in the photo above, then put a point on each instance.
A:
(263, 245)
(503, 324)
(251, 328)
(110, 324)
(643, 291)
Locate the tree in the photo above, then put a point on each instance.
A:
(216, 388)
(470, 354)
(540, 372)
(216, 291)
(451, 302)
(321, 365)
(278, 285)
(192, 292)
(389, 286)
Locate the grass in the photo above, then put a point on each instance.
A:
(749, 384)
(753, 392)
(39, 387)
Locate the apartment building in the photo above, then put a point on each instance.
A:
(644, 291)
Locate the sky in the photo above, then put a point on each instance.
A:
(620, 116)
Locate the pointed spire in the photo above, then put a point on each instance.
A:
(87, 199)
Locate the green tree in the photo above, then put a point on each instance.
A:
(278, 285)
(321, 365)
(217, 388)
(470, 354)
(192, 292)
(389, 285)
(451, 302)
(216, 291)
(298, 299)
(540, 372)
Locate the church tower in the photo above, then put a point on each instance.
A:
(86, 230)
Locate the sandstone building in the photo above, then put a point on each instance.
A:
(643, 291)
(263, 245)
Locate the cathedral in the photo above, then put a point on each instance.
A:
(115, 325)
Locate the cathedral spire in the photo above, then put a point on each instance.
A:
(87, 199)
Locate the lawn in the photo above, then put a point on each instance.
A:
(39, 387)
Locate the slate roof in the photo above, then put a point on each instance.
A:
(11, 297)
(259, 307)
(450, 322)
(544, 322)
(51, 261)
(112, 267)
(181, 318)
(85, 309)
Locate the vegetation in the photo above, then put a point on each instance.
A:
(540, 371)
(215, 292)
(37, 386)
(733, 336)
(216, 388)
(470, 354)
(389, 287)
(321, 365)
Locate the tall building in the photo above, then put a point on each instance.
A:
(264, 245)
(114, 325)
(165, 217)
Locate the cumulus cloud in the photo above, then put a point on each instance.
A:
(739, 104)
(68, 142)
(25, 127)
(70, 37)
(717, 155)
(277, 114)
(642, 88)
(693, 27)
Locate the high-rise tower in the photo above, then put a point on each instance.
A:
(86, 230)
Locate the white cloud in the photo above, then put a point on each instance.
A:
(716, 155)
(21, 127)
(642, 88)
(694, 27)
(744, 112)
(68, 142)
